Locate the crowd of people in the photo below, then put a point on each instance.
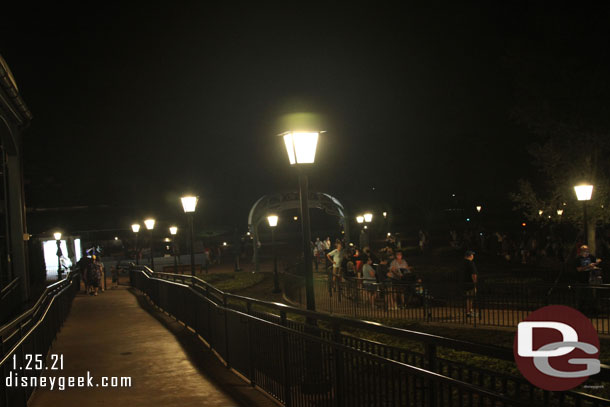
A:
(93, 274)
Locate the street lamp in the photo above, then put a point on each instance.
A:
(57, 236)
(136, 228)
(173, 230)
(559, 212)
(479, 207)
(189, 204)
(540, 212)
(272, 219)
(583, 193)
(385, 215)
(150, 225)
(301, 149)
(359, 218)
(368, 217)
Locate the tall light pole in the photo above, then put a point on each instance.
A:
(57, 236)
(272, 219)
(301, 148)
(583, 193)
(136, 229)
(173, 230)
(150, 225)
(189, 204)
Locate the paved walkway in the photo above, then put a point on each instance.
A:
(113, 335)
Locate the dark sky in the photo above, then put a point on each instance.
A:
(135, 103)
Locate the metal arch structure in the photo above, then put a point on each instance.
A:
(282, 201)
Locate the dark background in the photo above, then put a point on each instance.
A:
(136, 103)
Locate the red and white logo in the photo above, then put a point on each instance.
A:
(556, 348)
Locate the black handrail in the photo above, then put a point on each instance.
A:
(9, 287)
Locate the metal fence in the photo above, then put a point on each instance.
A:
(304, 358)
(492, 304)
(32, 333)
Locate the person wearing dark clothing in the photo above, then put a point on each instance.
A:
(469, 279)
(585, 265)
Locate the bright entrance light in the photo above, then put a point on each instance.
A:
(135, 227)
(301, 146)
(189, 203)
(150, 224)
(583, 192)
(272, 219)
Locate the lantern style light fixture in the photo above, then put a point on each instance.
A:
(359, 218)
(368, 217)
(385, 215)
(583, 193)
(301, 146)
(559, 212)
(295, 218)
(135, 229)
(366, 227)
(57, 235)
(389, 234)
(173, 230)
(540, 212)
(150, 223)
(272, 220)
(479, 207)
(189, 203)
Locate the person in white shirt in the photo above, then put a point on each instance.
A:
(336, 258)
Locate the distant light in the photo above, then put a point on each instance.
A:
(524, 224)
(224, 243)
(564, 204)
(296, 218)
(351, 244)
(135, 227)
(150, 224)
(479, 207)
(385, 214)
(173, 230)
(481, 233)
(467, 219)
(583, 192)
(301, 146)
(57, 235)
(540, 212)
(116, 238)
(167, 247)
(248, 233)
(343, 232)
(366, 227)
(549, 216)
(368, 217)
(452, 194)
(189, 203)
(272, 219)
(559, 212)
(389, 234)
(167, 239)
(359, 219)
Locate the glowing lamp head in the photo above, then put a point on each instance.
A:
(135, 228)
(368, 217)
(559, 212)
(385, 214)
(583, 192)
(301, 146)
(389, 234)
(479, 207)
(116, 238)
(189, 203)
(359, 219)
(173, 230)
(540, 212)
(296, 218)
(150, 224)
(224, 243)
(366, 227)
(272, 219)
(57, 235)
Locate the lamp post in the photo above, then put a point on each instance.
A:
(583, 193)
(189, 204)
(272, 219)
(150, 225)
(136, 228)
(173, 230)
(57, 236)
(301, 148)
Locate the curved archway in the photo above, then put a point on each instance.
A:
(283, 201)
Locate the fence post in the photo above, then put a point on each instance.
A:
(430, 364)
(285, 362)
(250, 350)
(226, 312)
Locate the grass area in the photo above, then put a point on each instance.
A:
(232, 282)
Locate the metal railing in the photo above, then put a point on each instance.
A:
(304, 358)
(493, 304)
(10, 300)
(32, 333)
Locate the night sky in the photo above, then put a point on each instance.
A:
(135, 103)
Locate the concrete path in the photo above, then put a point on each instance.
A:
(117, 334)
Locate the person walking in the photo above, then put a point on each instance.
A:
(470, 278)
(336, 258)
